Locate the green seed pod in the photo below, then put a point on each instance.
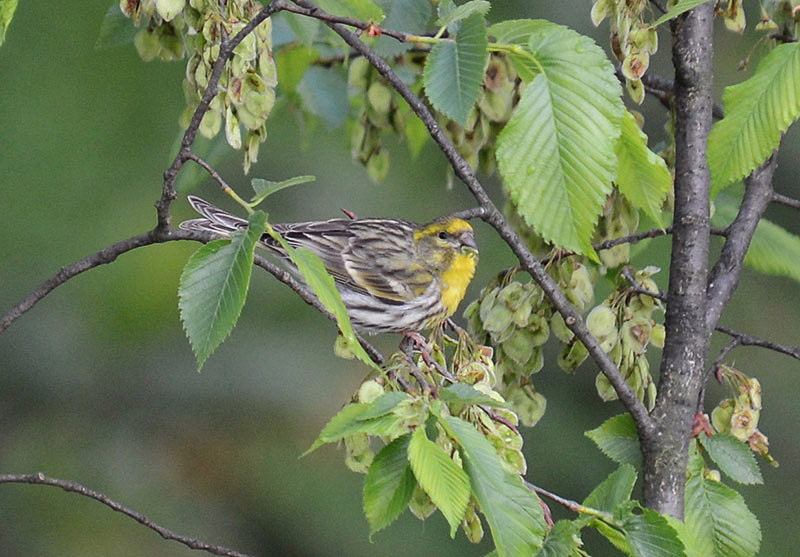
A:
(519, 346)
(487, 303)
(744, 422)
(572, 355)
(358, 455)
(513, 295)
(210, 124)
(420, 504)
(539, 329)
(378, 165)
(602, 322)
(580, 290)
(146, 44)
(379, 97)
(635, 334)
(471, 524)
(498, 319)
(369, 391)
(658, 335)
(721, 416)
(560, 329)
(604, 388)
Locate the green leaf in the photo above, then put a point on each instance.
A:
(115, 30)
(557, 152)
(388, 485)
(563, 540)
(323, 93)
(717, 517)
(512, 510)
(613, 491)
(365, 10)
(442, 479)
(461, 393)
(213, 287)
(773, 250)
(304, 28)
(733, 457)
(650, 535)
(453, 73)
(618, 440)
(264, 188)
(409, 16)
(680, 7)
(373, 418)
(757, 112)
(613, 535)
(685, 536)
(642, 176)
(292, 62)
(7, 9)
(321, 282)
(463, 11)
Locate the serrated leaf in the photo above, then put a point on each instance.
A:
(461, 393)
(463, 11)
(453, 74)
(556, 154)
(642, 176)
(7, 9)
(409, 16)
(365, 10)
(773, 250)
(388, 485)
(757, 112)
(115, 30)
(733, 457)
(685, 536)
(323, 93)
(681, 6)
(613, 535)
(512, 511)
(264, 188)
(563, 540)
(717, 516)
(321, 282)
(618, 440)
(213, 287)
(613, 491)
(650, 535)
(442, 479)
(360, 418)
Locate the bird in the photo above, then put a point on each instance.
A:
(394, 275)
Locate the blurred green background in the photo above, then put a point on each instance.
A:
(98, 384)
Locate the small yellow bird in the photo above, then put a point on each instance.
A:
(394, 276)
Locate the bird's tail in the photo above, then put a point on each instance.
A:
(213, 218)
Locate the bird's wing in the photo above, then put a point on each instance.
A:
(363, 255)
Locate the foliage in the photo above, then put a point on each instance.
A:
(435, 427)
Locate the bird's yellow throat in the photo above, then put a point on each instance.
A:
(456, 279)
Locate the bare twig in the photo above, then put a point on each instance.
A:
(74, 487)
(211, 171)
(348, 21)
(744, 339)
(664, 89)
(627, 272)
(785, 200)
(493, 216)
(102, 257)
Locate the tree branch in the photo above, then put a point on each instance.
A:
(687, 334)
(493, 216)
(724, 276)
(743, 339)
(786, 201)
(102, 257)
(74, 487)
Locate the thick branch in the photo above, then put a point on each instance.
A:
(494, 217)
(687, 334)
(74, 487)
(725, 275)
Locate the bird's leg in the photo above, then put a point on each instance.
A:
(426, 351)
(407, 347)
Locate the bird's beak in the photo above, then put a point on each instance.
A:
(468, 245)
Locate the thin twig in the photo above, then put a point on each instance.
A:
(74, 487)
(211, 171)
(785, 200)
(102, 257)
(349, 21)
(745, 339)
(627, 272)
(495, 218)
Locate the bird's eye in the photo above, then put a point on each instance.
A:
(443, 235)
